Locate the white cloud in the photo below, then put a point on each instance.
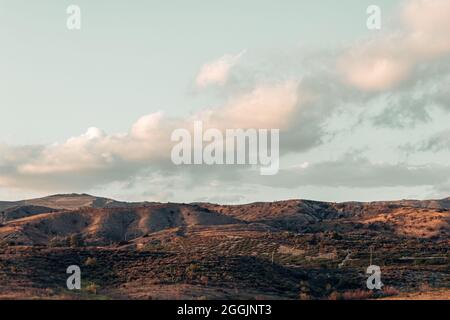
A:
(266, 106)
(95, 157)
(375, 66)
(428, 22)
(387, 60)
(217, 72)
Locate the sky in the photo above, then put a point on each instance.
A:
(363, 114)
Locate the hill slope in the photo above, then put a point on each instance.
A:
(66, 201)
(279, 250)
(103, 221)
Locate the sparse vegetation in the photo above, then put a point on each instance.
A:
(76, 241)
(390, 291)
(92, 288)
(287, 250)
(191, 271)
(357, 295)
(90, 261)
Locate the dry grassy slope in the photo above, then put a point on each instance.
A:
(416, 222)
(108, 224)
(22, 211)
(301, 210)
(101, 220)
(316, 210)
(430, 204)
(10, 210)
(66, 201)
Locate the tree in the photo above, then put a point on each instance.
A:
(76, 240)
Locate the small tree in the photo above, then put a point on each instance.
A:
(90, 261)
(54, 242)
(92, 288)
(191, 271)
(75, 241)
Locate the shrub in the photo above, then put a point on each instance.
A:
(336, 236)
(390, 291)
(304, 296)
(53, 242)
(191, 270)
(92, 288)
(75, 241)
(58, 242)
(335, 296)
(90, 261)
(357, 295)
(424, 287)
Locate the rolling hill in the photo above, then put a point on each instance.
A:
(284, 249)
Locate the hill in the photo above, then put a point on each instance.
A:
(284, 249)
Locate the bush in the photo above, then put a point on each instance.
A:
(304, 296)
(90, 261)
(335, 296)
(92, 288)
(336, 236)
(357, 295)
(390, 291)
(75, 241)
(191, 271)
(204, 280)
(351, 295)
(58, 242)
(425, 287)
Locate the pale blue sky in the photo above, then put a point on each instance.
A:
(134, 58)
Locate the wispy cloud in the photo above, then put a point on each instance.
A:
(383, 62)
(217, 72)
